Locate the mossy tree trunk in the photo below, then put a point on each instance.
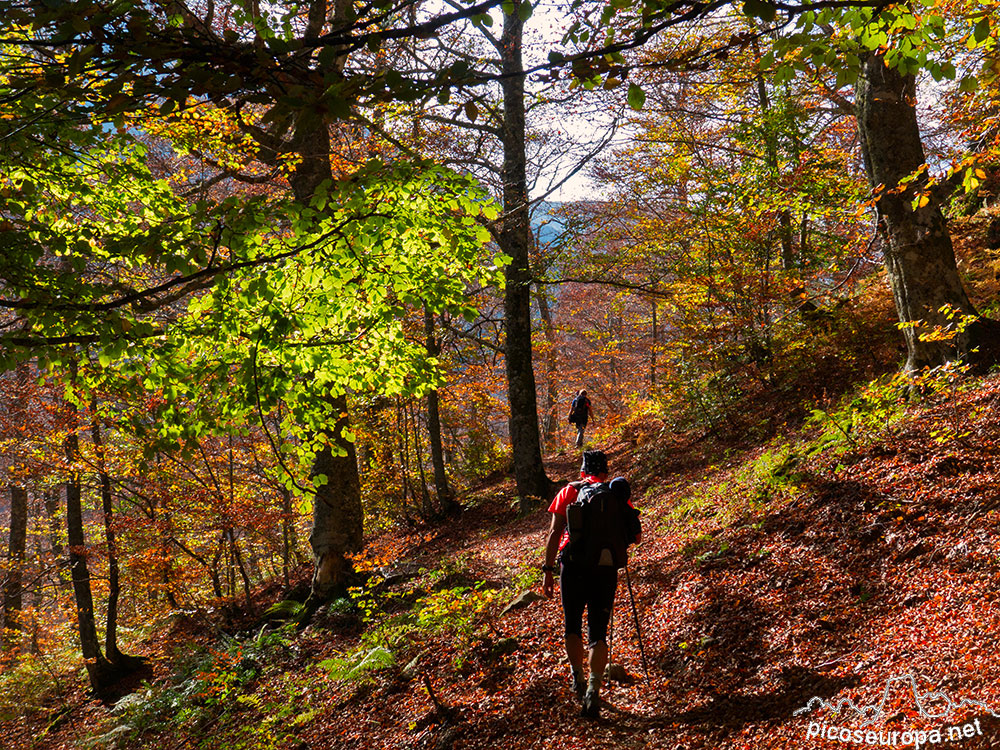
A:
(919, 256)
(515, 240)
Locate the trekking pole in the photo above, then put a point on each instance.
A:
(638, 631)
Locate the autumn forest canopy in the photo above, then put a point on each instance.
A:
(290, 290)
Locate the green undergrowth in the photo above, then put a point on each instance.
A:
(28, 686)
(447, 601)
(210, 686)
(746, 491)
(750, 488)
(253, 696)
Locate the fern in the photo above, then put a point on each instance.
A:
(356, 665)
(286, 609)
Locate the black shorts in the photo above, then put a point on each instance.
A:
(590, 588)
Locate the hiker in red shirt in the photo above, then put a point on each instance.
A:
(588, 583)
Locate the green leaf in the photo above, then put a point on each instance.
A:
(636, 96)
(784, 73)
(981, 30)
(524, 10)
(968, 84)
(760, 9)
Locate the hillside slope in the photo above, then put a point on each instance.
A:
(825, 565)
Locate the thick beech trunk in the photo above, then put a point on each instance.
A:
(515, 240)
(337, 514)
(337, 517)
(919, 256)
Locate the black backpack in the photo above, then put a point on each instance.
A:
(578, 410)
(601, 527)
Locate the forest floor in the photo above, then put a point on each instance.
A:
(839, 562)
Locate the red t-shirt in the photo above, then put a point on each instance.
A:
(566, 497)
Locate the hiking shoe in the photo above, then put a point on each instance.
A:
(591, 705)
(578, 685)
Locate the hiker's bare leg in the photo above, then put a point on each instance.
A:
(574, 652)
(598, 662)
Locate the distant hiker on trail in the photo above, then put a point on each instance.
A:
(579, 414)
(593, 523)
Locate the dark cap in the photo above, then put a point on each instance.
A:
(594, 463)
(621, 488)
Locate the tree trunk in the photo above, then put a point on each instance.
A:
(427, 510)
(550, 420)
(15, 562)
(771, 149)
(652, 348)
(404, 452)
(166, 560)
(12, 594)
(98, 668)
(120, 663)
(51, 501)
(238, 559)
(444, 495)
(114, 587)
(919, 256)
(286, 534)
(337, 514)
(515, 239)
(213, 571)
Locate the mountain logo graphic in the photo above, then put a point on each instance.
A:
(935, 704)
